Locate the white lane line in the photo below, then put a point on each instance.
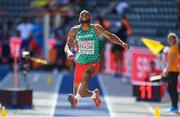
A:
(150, 108)
(106, 98)
(55, 96)
(5, 79)
(36, 77)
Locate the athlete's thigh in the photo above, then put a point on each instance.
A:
(89, 73)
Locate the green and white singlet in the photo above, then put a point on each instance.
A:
(88, 45)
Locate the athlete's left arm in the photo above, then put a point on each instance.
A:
(112, 37)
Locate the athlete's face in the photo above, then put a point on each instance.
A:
(171, 40)
(85, 17)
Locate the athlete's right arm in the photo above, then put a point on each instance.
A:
(70, 42)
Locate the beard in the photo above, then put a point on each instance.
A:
(85, 21)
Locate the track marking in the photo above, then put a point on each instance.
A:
(106, 98)
(36, 77)
(5, 79)
(56, 93)
(150, 108)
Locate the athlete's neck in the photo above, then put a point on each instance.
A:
(85, 26)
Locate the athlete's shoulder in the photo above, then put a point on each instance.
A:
(75, 28)
(98, 26)
(174, 49)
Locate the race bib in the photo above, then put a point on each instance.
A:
(86, 47)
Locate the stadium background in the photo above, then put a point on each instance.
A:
(52, 19)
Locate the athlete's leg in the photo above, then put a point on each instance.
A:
(75, 88)
(83, 88)
(82, 78)
(77, 77)
(72, 98)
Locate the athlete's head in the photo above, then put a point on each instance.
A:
(84, 16)
(172, 39)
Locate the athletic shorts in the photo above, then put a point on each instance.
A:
(80, 70)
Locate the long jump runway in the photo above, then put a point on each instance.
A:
(50, 92)
(85, 106)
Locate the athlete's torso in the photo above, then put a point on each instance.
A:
(88, 45)
(174, 66)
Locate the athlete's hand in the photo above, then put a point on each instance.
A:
(165, 72)
(125, 46)
(70, 56)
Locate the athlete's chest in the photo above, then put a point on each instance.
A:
(89, 35)
(86, 40)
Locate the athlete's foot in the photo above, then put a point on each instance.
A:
(172, 109)
(72, 100)
(97, 99)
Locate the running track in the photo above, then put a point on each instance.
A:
(51, 99)
(85, 106)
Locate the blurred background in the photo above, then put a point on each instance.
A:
(48, 22)
(42, 27)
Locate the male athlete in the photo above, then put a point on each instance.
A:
(85, 38)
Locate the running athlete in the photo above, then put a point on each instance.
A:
(85, 38)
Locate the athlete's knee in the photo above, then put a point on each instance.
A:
(87, 76)
(83, 93)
